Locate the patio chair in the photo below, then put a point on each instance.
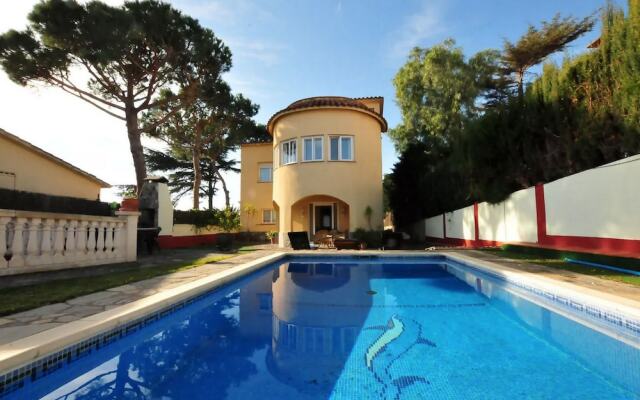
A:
(300, 241)
(323, 238)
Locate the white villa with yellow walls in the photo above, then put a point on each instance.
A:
(322, 170)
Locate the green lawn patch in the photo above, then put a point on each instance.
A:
(556, 259)
(16, 299)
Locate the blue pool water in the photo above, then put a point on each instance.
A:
(341, 328)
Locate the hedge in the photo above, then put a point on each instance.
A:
(199, 218)
(29, 201)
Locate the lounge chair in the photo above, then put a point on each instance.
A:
(300, 241)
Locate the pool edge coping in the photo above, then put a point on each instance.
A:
(629, 307)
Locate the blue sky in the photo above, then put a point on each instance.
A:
(285, 50)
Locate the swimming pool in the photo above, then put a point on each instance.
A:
(316, 327)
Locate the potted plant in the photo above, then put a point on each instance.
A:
(271, 236)
(129, 194)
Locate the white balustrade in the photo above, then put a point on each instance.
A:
(36, 241)
(4, 232)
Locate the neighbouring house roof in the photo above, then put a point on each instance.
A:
(51, 157)
(257, 144)
(330, 102)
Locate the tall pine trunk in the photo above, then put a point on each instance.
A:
(135, 145)
(211, 187)
(224, 188)
(197, 173)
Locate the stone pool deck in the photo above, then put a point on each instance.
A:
(28, 323)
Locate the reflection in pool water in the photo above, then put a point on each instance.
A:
(352, 330)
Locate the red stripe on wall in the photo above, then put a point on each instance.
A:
(541, 214)
(476, 222)
(176, 242)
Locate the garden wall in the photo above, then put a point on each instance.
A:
(597, 211)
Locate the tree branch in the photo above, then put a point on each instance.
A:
(73, 88)
(103, 80)
(80, 96)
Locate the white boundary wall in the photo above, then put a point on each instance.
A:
(513, 220)
(461, 223)
(433, 227)
(603, 202)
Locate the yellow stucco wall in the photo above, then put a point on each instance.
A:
(358, 183)
(252, 191)
(36, 173)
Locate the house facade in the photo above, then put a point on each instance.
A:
(322, 171)
(28, 168)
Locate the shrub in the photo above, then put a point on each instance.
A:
(372, 238)
(229, 219)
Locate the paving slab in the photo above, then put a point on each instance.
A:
(27, 323)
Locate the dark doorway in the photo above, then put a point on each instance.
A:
(323, 218)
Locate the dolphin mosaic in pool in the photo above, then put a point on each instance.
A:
(400, 336)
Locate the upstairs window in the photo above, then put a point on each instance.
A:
(341, 148)
(265, 173)
(289, 152)
(312, 149)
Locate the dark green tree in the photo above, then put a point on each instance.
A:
(129, 53)
(438, 91)
(538, 43)
(207, 129)
(180, 173)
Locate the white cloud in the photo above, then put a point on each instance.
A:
(425, 24)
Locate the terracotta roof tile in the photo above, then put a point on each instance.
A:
(328, 102)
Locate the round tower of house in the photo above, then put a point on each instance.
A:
(327, 164)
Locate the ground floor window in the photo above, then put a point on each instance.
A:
(268, 217)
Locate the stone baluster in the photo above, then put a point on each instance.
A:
(46, 248)
(58, 241)
(4, 232)
(118, 241)
(100, 243)
(81, 240)
(91, 242)
(33, 242)
(17, 244)
(108, 241)
(71, 252)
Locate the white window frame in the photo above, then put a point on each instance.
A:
(260, 167)
(314, 157)
(284, 153)
(340, 137)
(272, 221)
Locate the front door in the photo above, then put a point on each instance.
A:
(322, 218)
